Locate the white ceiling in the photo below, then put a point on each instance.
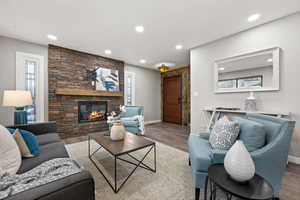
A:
(95, 25)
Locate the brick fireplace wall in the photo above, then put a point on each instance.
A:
(67, 70)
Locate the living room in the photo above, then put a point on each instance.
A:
(149, 100)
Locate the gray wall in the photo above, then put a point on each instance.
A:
(8, 49)
(147, 91)
(283, 33)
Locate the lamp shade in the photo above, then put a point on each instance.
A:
(17, 98)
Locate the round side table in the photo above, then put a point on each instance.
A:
(255, 189)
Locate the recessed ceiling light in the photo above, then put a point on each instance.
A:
(143, 61)
(139, 29)
(270, 60)
(253, 17)
(51, 37)
(178, 46)
(107, 51)
(221, 68)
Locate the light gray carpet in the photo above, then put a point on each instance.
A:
(172, 180)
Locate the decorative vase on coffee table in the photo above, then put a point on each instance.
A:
(117, 131)
(238, 163)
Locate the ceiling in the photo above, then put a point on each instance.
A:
(95, 25)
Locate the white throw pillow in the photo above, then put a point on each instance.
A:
(10, 156)
(224, 134)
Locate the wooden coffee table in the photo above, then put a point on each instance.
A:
(116, 149)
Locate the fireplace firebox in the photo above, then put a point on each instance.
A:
(91, 111)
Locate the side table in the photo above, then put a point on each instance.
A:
(255, 189)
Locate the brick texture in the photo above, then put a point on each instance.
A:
(67, 70)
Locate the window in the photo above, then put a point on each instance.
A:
(230, 83)
(30, 76)
(129, 88)
(250, 82)
(243, 82)
(30, 84)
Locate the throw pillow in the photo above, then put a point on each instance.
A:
(30, 140)
(10, 156)
(252, 133)
(25, 152)
(224, 134)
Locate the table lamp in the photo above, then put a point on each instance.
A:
(18, 99)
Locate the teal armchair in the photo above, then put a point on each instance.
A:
(270, 160)
(132, 123)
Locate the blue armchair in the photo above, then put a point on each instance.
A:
(131, 124)
(270, 161)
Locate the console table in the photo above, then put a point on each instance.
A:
(216, 113)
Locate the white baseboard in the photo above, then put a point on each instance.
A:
(152, 122)
(294, 159)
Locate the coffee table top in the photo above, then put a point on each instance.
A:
(257, 188)
(130, 143)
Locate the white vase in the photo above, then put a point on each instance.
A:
(117, 131)
(250, 102)
(238, 163)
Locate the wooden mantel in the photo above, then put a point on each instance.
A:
(81, 92)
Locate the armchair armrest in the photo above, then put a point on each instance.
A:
(204, 135)
(37, 128)
(76, 187)
(218, 155)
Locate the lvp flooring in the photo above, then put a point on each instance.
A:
(176, 136)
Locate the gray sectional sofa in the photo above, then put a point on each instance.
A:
(75, 187)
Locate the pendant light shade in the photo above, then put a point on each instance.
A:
(163, 68)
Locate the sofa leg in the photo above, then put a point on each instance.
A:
(197, 193)
(189, 162)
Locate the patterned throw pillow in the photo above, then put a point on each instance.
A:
(25, 152)
(224, 134)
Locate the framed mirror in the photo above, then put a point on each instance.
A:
(255, 71)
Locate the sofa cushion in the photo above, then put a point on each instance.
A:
(9, 151)
(48, 152)
(131, 111)
(25, 152)
(48, 138)
(224, 134)
(30, 140)
(272, 126)
(252, 133)
(134, 123)
(200, 153)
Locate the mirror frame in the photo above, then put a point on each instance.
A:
(276, 71)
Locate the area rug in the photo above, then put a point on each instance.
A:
(172, 180)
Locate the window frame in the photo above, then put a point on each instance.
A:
(21, 57)
(131, 74)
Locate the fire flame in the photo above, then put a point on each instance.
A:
(95, 115)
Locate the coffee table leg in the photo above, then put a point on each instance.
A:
(114, 186)
(115, 175)
(89, 145)
(155, 158)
